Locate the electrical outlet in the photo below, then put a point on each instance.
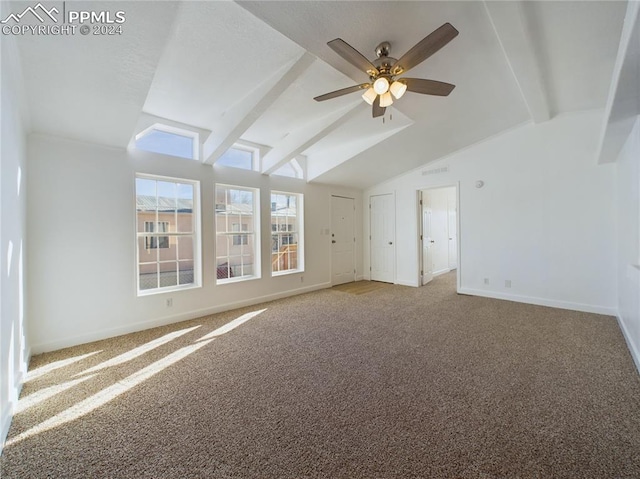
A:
(169, 302)
(486, 281)
(507, 283)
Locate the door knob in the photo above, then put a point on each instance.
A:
(333, 241)
(390, 242)
(431, 241)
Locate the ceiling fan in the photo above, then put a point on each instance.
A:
(383, 70)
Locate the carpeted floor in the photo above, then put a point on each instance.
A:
(361, 287)
(402, 383)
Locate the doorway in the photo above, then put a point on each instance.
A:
(382, 235)
(343, 240)
(438, 232)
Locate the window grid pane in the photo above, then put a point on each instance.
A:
(236, 254)
(284, 237)
(162, 205)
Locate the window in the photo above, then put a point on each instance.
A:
(240, 239)
(240, 156)
(168, 245)
(237, 255)
(286, 232)
(169, 141)
(153, 242)
(292, 169)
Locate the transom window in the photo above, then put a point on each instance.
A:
(292, 169)
(168, 251)
(168, 141)
(286, 233)
(240, 156)
(237, 244)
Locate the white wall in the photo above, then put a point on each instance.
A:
(81, 201)
(628, 199)
(14, 349)
(544, 218)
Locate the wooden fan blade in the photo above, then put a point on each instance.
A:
(353, 56)
(344, 91)
(425, 48)
(427, 87)
(377, 109)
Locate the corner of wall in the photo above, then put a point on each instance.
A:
(633, 350)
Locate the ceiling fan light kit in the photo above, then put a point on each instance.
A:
(386, 100)
(383, 70)
(398, 89)
(369, 95)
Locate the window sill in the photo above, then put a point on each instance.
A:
(167, 289)
(236, 280)
(287, 272)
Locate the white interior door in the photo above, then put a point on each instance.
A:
(439, 229)
(342, 240)
(427, 241)
(382, 238)
(453, 229)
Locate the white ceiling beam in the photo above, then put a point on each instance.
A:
(508, 21)
(294, 145)
(623, 104)
(221, 140)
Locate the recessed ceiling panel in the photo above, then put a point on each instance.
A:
(576, 44)
(217, 55)
(296, 108)
(92, 87)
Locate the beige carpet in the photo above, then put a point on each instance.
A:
(361, 287)
(403, 383)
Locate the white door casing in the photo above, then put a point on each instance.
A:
(382, 237)
(427, 241)
(453, 228)
(342, 240)
(438, 231)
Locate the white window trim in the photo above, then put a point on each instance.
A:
(195, 137)
(252, 148)
(197, 232)
(299, 229)
(257, 255)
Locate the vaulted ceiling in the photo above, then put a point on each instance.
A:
(249, 70)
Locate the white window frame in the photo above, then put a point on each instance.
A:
(297, 168)
(195, 138)
(299, 230)
(257, 270)
(251, 148)
(150, 245)
(197, 246)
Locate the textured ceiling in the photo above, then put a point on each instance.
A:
(249, 70)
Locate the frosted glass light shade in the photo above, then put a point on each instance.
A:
(381, 85)
(398, 89)
(369, 96)
(386, 100)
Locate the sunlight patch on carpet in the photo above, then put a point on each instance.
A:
(139, 351)
(103, 397)
(232, 324)
(44, 394)
(41, 371)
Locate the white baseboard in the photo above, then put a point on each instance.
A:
(552, 303)
(407, 283)
(5, 422)
(633, 349)
(154, 323)
(6, 413)
(361, 277)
